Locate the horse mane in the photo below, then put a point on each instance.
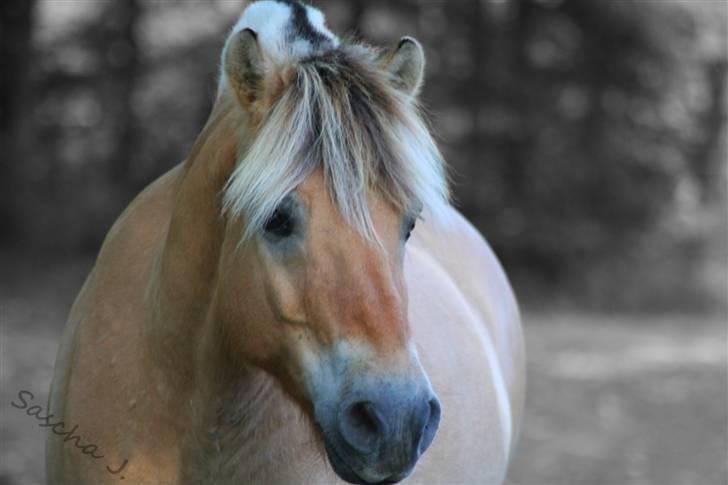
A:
(342, 113)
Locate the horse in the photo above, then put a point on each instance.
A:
(267, 312)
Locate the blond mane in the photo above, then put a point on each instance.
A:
(342, 114)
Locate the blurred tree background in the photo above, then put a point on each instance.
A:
(586, 137)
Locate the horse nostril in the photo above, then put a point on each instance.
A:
(363, 417)
(361, 426)
(431, 425)
(434, 412)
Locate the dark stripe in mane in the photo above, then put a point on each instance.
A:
(357, 92)
(301, 28)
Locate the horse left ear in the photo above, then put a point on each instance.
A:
(406, 65)
(245, 67)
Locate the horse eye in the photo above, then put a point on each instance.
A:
(280, 224)
(410, 228)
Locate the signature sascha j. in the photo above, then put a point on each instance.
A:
(58, 427)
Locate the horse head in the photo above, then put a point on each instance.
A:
(335, 164)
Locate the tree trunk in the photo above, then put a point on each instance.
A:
(707, 160)
(121, 54)
(16, 22)
(355, 20)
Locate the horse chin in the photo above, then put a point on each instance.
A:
(346, 472)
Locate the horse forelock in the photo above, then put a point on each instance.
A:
(340, 112)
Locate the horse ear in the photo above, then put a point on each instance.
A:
(245, 67)
(406, 65)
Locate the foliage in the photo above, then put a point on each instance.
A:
(586, 137)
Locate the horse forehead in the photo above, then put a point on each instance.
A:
(314, 188)
(314, 192)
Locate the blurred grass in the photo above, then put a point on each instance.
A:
(612, 399)
(624, 400)
(36, 293)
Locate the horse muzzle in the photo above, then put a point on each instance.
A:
(377, 432)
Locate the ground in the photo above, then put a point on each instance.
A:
(612, 399)
(624, 400)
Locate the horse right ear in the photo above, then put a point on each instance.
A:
(245, 68)
(405, 65)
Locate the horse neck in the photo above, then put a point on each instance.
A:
(184, 273)
(222, 405)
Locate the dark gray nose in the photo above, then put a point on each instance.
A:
(389, 429)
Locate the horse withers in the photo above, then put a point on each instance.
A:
(260, 313)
